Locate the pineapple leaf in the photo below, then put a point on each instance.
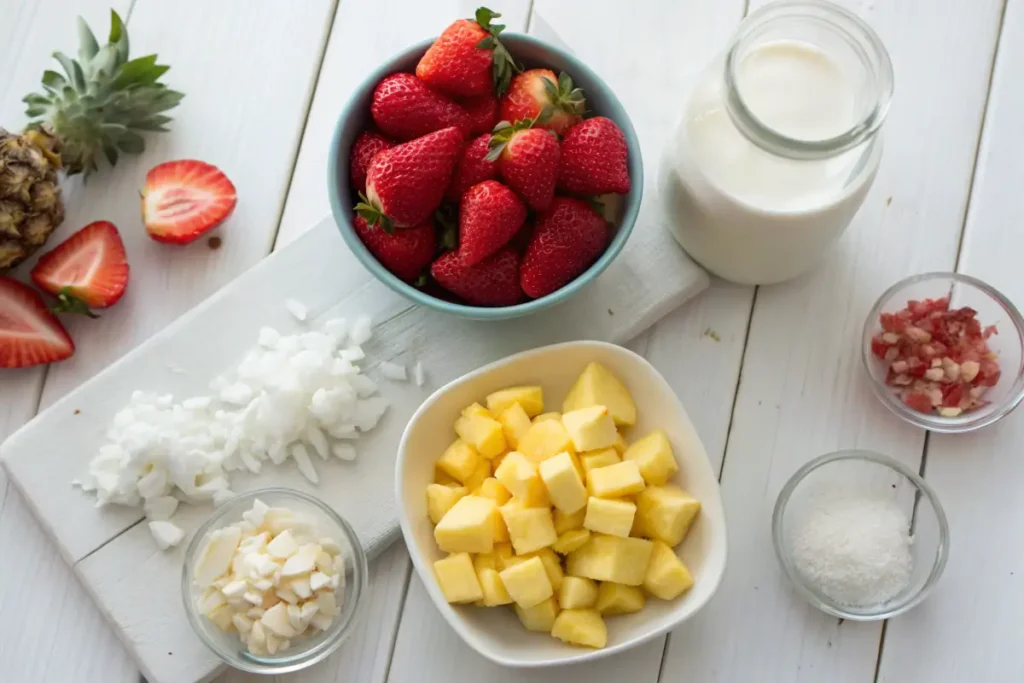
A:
(72, 69)
(111, 153)
(118, 37)
(135, 72)
(32, 111)
(105, 62)
(53, 81)
(153, 123)
(36, 99)
(131, 143)
(88, 47)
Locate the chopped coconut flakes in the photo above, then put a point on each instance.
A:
(362, 330)
(297, 309)
(417, 374)
(393, 371)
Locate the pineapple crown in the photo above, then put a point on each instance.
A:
(103, 102)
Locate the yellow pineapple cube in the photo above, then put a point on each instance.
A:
(563, 483)
(468, 527)
(457, 579)
(612, 517)
(545, 440)
(611, 558)
(527, 582)
(445, 479)
(496, 462)
(459, 461)
(440, 500)
(597, 386)
(615, 481)
(564, 522)
(530, 398)
(483, 561)
(590, 428)
(476, 409)
(540, 617)
(479, 476)
(620, 445)
(653, 454)
(667, 577)
(577, 592)
(502, 554)
(492, 488)
(520, 477)
(500, 529)
(600, 458)
(557, 417)
(614, 598)
(580, 627)
(529, 528)
(483, 433)
(570, 540)
(666, 513)
(515, 422)
(493, 588)
(552, 564)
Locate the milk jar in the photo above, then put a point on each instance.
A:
(780, 141)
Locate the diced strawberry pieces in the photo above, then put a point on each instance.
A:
(878, 347)
(918, 401)
(952, 394)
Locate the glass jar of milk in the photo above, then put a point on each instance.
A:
(779, 143)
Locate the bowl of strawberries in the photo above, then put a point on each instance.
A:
(485, 174)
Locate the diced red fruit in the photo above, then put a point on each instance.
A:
(473, 167)
(29, 333)
(88, 269)
(594, 159)
(878, 347)
(918, 401)
(404, 108)
(185, 198)
(551, 101)
(490, 214)
(482, 112)
(405, 252)
(567, 239)
(492, 282)
(528, 159)
(364, 149)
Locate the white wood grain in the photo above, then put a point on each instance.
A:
(802, 391)
(968, 628)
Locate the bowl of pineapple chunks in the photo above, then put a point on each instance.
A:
(559, 506)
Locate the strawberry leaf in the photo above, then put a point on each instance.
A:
(67, 302)
(503, 65)
(421, 281)
(503, 134)
(373, 216)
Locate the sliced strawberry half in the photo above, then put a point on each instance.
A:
(88, 269)
(29, 333)
(185, 198)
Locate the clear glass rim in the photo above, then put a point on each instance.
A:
(771, 140)
(946, 425)
(821, 601)
(301, 658)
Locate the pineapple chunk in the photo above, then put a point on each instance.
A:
(611, 558)
(515, 423)
(590, 428)
(615, 481)
(527, 582)
(440, 500)
(483, 561)
(457, 579)
(599, 387)
(653, 454)
(577, 593)
(620, 445)
(468, 527)
(476, 409)
(445, 479)
(570, 540)
(602, 458)
(612, 517)
(540, 617)
(557, 417)
(479, 476)
(564, 522)
(459, 461)
(563, 483)
(545, 440)
(502, 555)
(580, 627)
(665, 513)
(483, 433)
(500, 529)
(667, 577)
(614, 598)
(492, 488)
(552, 564)
(493, 588)
(519, 476)
(530, 398)
(529, 528)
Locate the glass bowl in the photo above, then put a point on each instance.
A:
(993, 309)
(308, 650)
(878, 477)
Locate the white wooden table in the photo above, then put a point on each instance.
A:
(770, 376)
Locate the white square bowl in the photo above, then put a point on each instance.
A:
(496, 632)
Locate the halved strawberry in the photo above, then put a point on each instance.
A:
(88, 269)
(29, 334)
(184, 199)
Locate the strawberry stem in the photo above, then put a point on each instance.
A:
(67, 302)
(502, 135)
(503, 65)
(562, 96)
(373, 216)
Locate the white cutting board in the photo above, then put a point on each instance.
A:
(135, 584)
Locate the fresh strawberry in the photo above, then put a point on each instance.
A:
(568, 238)
(406, 183)
(185, 198)
(490, 214)
(594, 159)
(482, 112)
(473, 168)
(552, 102)
(467, 59)
(406, 253)
(29, 333)
(492, 282)
(404, 108)
(88, 269)
(364, 149)
(528, 161)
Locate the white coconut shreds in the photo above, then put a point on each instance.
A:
(393, 371)
(290, 397)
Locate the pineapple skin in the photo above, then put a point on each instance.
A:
(31, 206)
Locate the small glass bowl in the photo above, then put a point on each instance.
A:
(303, 652)
(877, 476)
(993, 309)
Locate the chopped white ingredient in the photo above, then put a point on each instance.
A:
(343, 451)
(362, 330)
(165, 534)
(318, 580)
(393, 371)
(302, 461)
(418, 375)
(160, 508)
(297, 309)
(197, 403)
(283, 546)
(336, 329)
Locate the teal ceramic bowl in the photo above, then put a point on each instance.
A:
(355, 117)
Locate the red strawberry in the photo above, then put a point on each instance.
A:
(406, 183)
(364, 149)
(594, 159)
(492, 282)
(406, 253)
(467, 59)
(29, 334)
(568, 238)
(87, 269)
(537, 94)
(473, 168)
(482, 112)
(528, 160)
(185, 198)
(405, 108)
(490, 214)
